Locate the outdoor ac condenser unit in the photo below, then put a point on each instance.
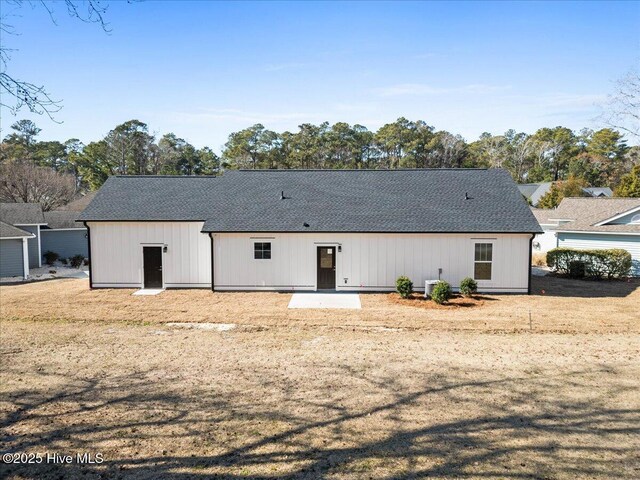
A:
(428, 287)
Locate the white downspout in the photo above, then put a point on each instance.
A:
(39, 249)
(25, 257)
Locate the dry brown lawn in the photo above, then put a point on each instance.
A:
(458, 392)
(557, 305)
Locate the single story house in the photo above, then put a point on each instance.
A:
(291, 230)
(27, 217)
(14, 251)
(592, 223)
(64, 235)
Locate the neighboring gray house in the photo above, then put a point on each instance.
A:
(27, 217)
(14, 251)
(592, 223)
(598, 192)
(63, 235)
(533, 192)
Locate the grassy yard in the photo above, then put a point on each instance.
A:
(393, 390)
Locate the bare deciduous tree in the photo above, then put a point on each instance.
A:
(24, 181)
(15, 93)
(622, 111)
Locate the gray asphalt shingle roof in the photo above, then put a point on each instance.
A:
(585, 213)
(325, 200)
(8, 231)
(163, 198)
(62, 219)
(21, 213)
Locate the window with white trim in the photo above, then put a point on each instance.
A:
(483, 261)
(262, 250)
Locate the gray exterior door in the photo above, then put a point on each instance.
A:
(11, 261)
(326, 268)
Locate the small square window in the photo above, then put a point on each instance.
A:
(262, 250)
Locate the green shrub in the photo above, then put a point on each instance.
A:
(404, 286)
(76, 261)
(50, 257)
(63, 261)
(441, 292)
(607, 263)
(468, 287)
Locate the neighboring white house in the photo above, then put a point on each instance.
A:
(311, 230)
(592, 223)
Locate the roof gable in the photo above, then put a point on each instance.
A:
(9, 231)
(62, 219)
(595, 214)
(21, 213)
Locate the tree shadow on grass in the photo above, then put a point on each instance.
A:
(553, 286)
(534, 433)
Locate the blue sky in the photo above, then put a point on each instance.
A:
(203, 70)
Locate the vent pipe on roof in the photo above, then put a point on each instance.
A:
(282, 197)
(466, 196)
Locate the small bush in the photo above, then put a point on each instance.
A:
(404, 286)
(63, 261)
(86, 262)
(76, 261)
(608, 263)
(50, 257)
(468, 287)
(539, 259)
(441, 292)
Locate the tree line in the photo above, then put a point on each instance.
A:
(52, 172)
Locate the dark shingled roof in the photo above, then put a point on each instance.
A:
(163, 198)
(62, 219)
(402, 201)
(21, 213)
(8, 231)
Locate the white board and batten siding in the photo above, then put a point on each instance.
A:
(365, 262)
(368, 262)
(116, 253)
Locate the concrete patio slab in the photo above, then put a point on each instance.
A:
(148, 291)
(325, 300)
